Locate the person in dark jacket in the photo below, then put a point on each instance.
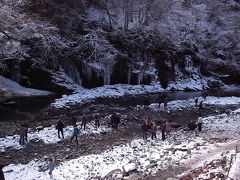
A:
(165, 104)
(22, 133)
(1, 172)
(164, 125)
(145, 130)
(200, 105)
(96, 119)
(75, 134)
(196, 102)
(199, 123)
(115, 120)
(154, 130)
(60, 127)
(84, 122)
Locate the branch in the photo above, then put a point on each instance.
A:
(6, 34)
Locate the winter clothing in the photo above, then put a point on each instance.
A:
(163, 131)
(75, 131)
(84, 122)
(75, 134)
(97, 122)
(168, 128)
(145, 129)
(26, 133)
(199, 124)
(196, 102)
(51, 167)
(115, 120)
(154, 130)
(201, 105)
(60, 127)
(22, 132)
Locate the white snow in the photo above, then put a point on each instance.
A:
(234, 172)
(182, 147)
(107, 91)
(10, 87)
(190, 103)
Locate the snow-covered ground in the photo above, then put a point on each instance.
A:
(9, 87)
(49, 135)
(234, 172)
(82, 95)
(107, 91)
(218, 140)
(190, 103)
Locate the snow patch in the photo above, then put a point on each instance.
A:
(10, 87)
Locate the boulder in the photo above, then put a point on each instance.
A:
(129, 169)
(116, 173)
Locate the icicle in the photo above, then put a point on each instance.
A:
(140, 77)
(16, 73)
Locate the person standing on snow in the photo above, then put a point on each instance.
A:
(51, 166)
(199, 123)
(168, 127)
(144, 130)
(201, 105)
(84, 122)
(60, 127)
(165, 104)
(154, 130)
(163, 131)
(22, 132)
(75, 134)
(196, 102)
(96, 119)
(115, 120)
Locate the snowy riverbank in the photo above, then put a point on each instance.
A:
(82, 95)
(182, 149)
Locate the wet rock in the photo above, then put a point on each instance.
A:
(114, 174)
(39, 128)
(175, 125)
(129, 169)
(151, 165)
(192, 126)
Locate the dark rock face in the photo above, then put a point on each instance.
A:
(120, 70)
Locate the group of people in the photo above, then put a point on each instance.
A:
(150, 126)
(115, 121)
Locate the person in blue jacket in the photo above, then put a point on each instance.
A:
(75, 133)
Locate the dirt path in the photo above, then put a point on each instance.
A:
(193, 162)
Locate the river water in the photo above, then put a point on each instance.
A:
(15, 107)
